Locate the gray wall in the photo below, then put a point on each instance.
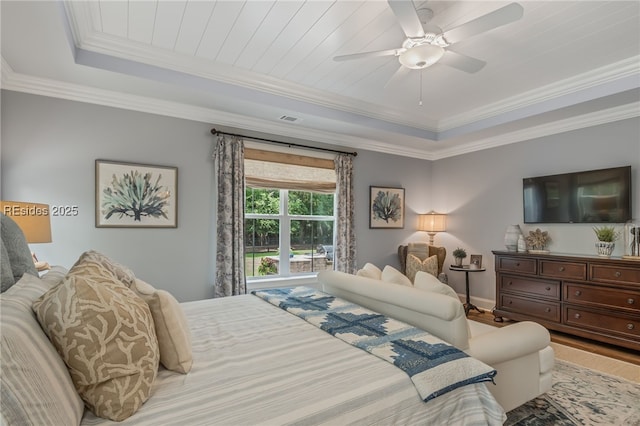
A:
(49, 147)
(48, 151)
(482, 192)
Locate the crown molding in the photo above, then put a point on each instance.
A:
(596, 118)
(603, 75)
(57, 89)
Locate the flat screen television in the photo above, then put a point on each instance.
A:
(594, 196)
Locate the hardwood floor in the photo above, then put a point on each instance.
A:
(611, 351)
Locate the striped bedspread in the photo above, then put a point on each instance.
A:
(434, 366)
(255, 364)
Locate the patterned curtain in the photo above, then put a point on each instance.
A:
(229, 165)
(345, 246)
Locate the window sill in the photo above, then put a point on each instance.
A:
(260, 284)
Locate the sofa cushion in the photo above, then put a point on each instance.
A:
(370, 270)
(17, 250)
(428, 265)
(105, 334)
(35, 383)
(172, 328)
(426, 281)
(392, 275)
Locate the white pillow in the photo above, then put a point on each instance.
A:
(392, 275)
(172, 328)
(370, 270)
(426, 281)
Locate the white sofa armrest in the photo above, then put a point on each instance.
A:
(510, 342)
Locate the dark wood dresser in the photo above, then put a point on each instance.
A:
(588, 296)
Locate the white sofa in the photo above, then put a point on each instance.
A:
(520, 352)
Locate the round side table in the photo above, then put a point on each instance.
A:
(466, 269)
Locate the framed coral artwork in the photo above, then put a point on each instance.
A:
(386, 207)
(130, 195)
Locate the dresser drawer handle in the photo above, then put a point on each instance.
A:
(577, 316)
(547, 310)
(517, 263)
(630, 326)
(548, 288)
(631, 301)
(578, 292)
(561, 269)
(618, 274)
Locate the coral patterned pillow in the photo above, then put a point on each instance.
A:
(414, 264)
(105, 334)
(103, 265)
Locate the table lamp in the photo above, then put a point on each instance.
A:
(432, 223)
(34, 221)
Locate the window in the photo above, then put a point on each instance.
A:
(289, 217)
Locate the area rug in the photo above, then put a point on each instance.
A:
(580, 396)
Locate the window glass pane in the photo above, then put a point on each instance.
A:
(310, 203)
(312, 246)
(261, 246)
(262, 201)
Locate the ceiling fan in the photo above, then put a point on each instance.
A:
(427, 44)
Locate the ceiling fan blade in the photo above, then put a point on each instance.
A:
(399, 74)
(374, 54)
(462, 62)
(505, 15)
(407, 17)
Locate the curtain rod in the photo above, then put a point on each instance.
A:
(218, 132)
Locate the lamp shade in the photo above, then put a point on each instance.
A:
(32, 218)
(432, 222)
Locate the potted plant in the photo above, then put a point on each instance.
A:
(458, 255)
(606, 235)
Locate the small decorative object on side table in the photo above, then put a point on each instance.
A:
(466, 269)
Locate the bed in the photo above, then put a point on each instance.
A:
(253, 363)
(257, 364)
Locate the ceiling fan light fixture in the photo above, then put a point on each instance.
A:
(421, 56)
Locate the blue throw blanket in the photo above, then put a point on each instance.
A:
(435, 367)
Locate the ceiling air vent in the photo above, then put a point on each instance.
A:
(289, 118)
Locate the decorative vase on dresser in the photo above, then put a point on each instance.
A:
(511, 237)
(588, 296)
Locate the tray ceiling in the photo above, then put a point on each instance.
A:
(266, 67)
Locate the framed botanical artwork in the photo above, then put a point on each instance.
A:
(475, 261)
(130, 195)
(386, 207)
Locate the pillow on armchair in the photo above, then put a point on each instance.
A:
(422, 251)
(415, 264)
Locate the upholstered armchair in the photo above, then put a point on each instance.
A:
(422, 251)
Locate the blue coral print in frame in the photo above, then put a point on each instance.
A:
(136, 195)
(386, 209)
